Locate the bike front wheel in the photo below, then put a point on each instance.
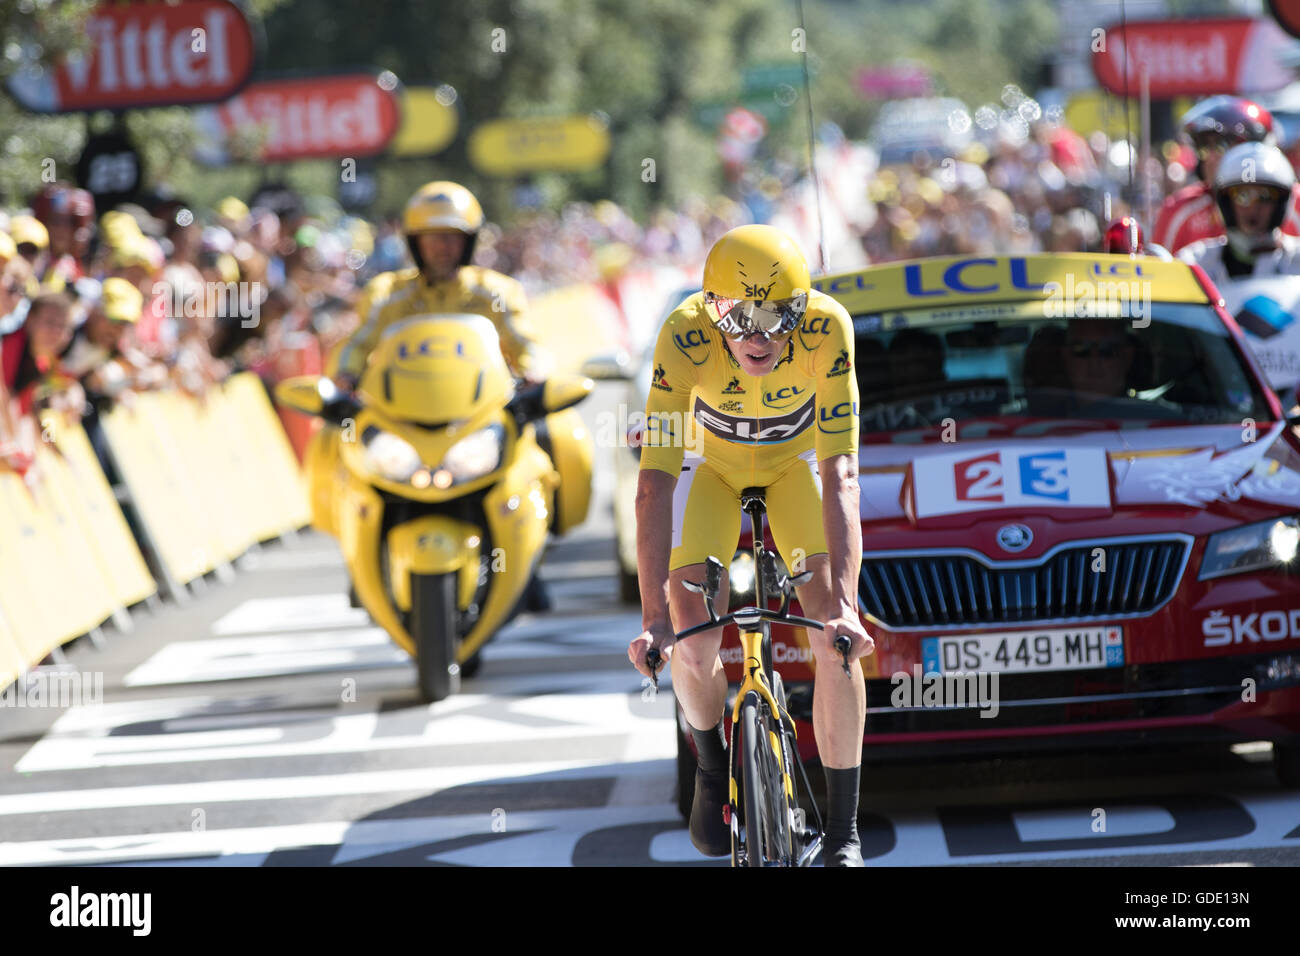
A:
(767, 830)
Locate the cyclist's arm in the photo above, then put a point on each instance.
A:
(837, 455)
(654, 499)
(842, 521)
(662, 451)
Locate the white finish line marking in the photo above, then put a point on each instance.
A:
(272, 655)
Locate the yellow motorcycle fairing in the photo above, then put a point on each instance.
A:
(565, 438)
(517, 512)
(436, 370)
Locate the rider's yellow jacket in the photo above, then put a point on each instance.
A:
(393, 296)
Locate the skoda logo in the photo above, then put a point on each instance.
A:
(1014, 537)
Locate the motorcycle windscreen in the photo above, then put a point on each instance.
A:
(437, 371)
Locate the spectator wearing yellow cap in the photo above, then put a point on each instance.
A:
(32, 241)
(234, 215)
(102, 335)
(140, 261)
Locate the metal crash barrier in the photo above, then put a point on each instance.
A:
(203, 480)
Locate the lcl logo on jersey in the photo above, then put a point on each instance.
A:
(838, 418)
(690, 341)
(761, 431)
(818, 323)
(783, 397)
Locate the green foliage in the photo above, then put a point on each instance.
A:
(648, 66)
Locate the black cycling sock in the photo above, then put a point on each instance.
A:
(842, 805)
(712, 753)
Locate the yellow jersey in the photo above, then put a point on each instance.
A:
(700, 398)
(392, 296)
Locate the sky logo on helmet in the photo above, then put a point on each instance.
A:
(734, 388)
(754, 290)
(841, 365)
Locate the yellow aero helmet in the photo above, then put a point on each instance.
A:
(756, 280)
(442, 205)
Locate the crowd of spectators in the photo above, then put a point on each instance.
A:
(95, 309)
(96, 306)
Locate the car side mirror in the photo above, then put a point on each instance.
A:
(565, 391)
(609, 366)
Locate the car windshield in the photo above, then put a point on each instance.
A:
(921, 371)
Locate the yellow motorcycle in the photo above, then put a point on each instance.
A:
(442, 482)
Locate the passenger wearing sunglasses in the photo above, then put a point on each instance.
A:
(1214, 126)
(1253, 188)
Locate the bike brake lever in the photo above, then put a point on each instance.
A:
(844, 645)
(713, 576)
(653, 660)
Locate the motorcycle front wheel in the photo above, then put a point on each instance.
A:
(433, 628)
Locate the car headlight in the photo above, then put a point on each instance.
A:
(1252, 547)
(475, 455)
(390, 457)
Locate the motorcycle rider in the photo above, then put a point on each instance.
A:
(1252, 188)
(1214, 126)
(441, 223)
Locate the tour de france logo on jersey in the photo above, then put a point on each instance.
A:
(841, 366)
(734, 388)
(732, 406)
(660, 379)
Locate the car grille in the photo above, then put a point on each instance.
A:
(945, 589)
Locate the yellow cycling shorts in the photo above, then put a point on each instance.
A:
(706, 510)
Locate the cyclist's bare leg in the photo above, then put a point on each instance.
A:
(839, 702)
(699, 682)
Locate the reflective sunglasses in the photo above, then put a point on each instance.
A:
(738, 318)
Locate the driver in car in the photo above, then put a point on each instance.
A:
(1097, 355)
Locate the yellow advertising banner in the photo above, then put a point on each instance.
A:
(428, 126)
(510, 147)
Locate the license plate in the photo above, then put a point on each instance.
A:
(1051, 649)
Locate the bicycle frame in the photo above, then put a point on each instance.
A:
(758, 679)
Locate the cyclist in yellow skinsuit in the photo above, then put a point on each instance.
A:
(755, 376)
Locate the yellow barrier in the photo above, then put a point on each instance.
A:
(207, 479)
(210, 478)
(12, 662)
(104, 529)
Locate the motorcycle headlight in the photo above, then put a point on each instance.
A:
(1253, 547)
(390, 457)
(475, 455)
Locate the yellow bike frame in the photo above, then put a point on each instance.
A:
(755, 679)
